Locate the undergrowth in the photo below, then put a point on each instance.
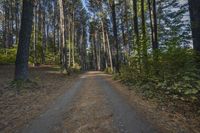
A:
(175, 77)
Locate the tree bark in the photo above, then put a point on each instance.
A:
(136, 31)
(194, 7)
(114, 21)
(21, 64)
(151, 22)
(69, 42)
(104, 43)
(17, 20)
(44, 37)
(62, 37)
(109, 51)
(155, 46)
(73, 40)
(35, 37)
(144, 39)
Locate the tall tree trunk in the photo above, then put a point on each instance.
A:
(151, 23)
(69, 42)
(127, 27)
(62, 37)
(44, 36)
(104, 43)
(35, 36)
(4, 28)
(99, 51)
(73, 40)
(81, 51)
(155, 46)
(17, 21)
(54, 31)
(54, 38)
(21, 64)
(109, 51)
(194, 7)
(136, 31)
(114, 21)
(84, 48)
(95, 51)
(12, 23)
(154, 35)
(144, 39)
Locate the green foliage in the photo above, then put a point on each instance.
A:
(51, 58)
(108, 70)
(177, 75)
(75, 69)
(8, 56)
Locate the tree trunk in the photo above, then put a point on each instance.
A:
(144, 39)
(62, 37)
(44, 36)
(109, 51)
(73, 40)
(154, 35)
(194, 7)
(127, 27)
(69, 42)
(104, 44)
(136, 31)
(155, 46)
(95, 51)
(21, 64)
(17, 20)
(115, 34)
(151, 23)
(35, 37)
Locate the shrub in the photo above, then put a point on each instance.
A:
(108, 70)
(8, 56)
(177, 74)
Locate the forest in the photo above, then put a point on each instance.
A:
(149, 47)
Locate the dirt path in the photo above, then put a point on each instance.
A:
(125, 116)
(53, 116)
(90, 106)
(91, 112)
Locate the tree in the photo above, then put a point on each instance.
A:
(21, 64)
(153, 23)
(173, 27)
(62, 36)
(194, 7)
(114, 21)
(136, 31)
(144, 38)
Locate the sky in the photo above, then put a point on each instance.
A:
(84, 2)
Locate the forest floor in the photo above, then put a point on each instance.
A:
(88, 103)
(18, 108)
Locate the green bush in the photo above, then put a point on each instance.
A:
(8, 56)
(76, 68)
(108, 70)
(177, 74)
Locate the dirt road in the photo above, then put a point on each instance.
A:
(91, 106)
